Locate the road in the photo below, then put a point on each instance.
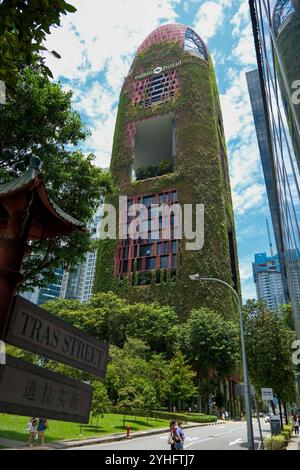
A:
(229, 436)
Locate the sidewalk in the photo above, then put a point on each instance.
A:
(294, 443)
(67, 444)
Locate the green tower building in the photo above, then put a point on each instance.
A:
(169, 147)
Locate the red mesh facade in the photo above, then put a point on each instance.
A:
(167, 32)
(155, 89)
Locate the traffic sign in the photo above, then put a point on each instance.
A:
(38, 331)
(267, 394)
(29, 390)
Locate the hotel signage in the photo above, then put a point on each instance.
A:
(38, 331)
(29, 390)
(157, 70)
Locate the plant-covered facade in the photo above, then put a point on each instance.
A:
(169, 147)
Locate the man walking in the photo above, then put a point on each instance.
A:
(180, 434)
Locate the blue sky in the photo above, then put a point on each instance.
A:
(97, 45)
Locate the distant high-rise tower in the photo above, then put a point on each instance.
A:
(268, 281)
(79, 284)
(169, 147)
(286, 26)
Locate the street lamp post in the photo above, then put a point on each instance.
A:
(250, 436)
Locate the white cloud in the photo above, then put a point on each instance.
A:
(244, 52)
(246, 269)
(248, 290)
(241, 17)
(97, 34)
(100, 142)
(249, 198)
(209, 17)
(236, 107)
(102, 39)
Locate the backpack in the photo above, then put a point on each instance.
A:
(34, 422)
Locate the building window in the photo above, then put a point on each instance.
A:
(134, 257)
(155, 89)
(194, 45)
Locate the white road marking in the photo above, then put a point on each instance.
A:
(237, 441)
(196, 442)
(210, 438)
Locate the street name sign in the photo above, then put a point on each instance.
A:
(36, 330)
(267, 394)
(29, 390)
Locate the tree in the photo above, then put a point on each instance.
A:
(210, 342)
(41, 121)
(180, 380)
(157, 325)
(286, 315)
(23, 28)
(101, 401)
(269, 349)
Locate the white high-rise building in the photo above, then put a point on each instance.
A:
(268, 281)
(79, 284)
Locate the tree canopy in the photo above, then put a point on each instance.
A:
(210, 342)
(23, 28)
(269, 349)
(40, 121)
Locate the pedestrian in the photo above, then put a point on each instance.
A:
(172, 440)
(32, 428)
(181, 436)
(296, 424)
(41, 429)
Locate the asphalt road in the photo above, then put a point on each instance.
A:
(229, 436)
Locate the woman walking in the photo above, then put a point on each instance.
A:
(41, 428)
(32, 428)
(173, 435)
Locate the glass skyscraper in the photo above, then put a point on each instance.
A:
(268, 281)
(264, 145)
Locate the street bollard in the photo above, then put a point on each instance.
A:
(128, 432)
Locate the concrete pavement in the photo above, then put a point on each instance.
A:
(226, 436)
(294, 443)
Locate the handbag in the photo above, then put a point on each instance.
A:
(170, 439)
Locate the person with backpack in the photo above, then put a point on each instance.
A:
(173, 437)
(32, 428)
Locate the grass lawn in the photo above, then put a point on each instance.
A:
(14, 427)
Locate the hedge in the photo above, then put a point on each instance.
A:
(191, 417)
(280, 441)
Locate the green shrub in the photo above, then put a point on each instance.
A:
(164, 167)
(185, 417)
(279, 442)
(275, 443)
(288, 428)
